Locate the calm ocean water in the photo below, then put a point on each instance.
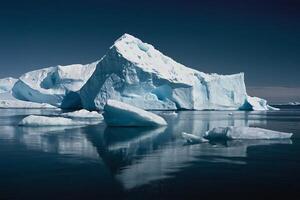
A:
(99, 162)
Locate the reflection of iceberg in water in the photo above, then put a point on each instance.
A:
(61, 140)
(160, 164)
(127, 142)
(120, 147)
(139, 156)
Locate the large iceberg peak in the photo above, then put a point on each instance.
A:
(136, 73)
(149, 59)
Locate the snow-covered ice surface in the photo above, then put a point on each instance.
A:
(121, 114)
(232, 132)
(136, 73)
(83, 114)
(53, 84)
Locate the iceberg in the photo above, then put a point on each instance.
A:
(255, 103)
(83, 114)
(117, 113)
(136, 73)
(56, 85)
(231, 132)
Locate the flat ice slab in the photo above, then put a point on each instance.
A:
(83, 114)
(232, 132)
(117, 113)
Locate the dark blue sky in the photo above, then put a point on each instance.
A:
(260, 38)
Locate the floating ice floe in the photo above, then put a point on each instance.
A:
(36, 121)
(190, 138)
(231, 132)
(121, 114)
(83, 114)
(8, 103)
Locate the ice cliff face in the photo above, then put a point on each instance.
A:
(136, 73)
(51, 85)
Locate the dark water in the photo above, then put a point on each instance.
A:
(97, 162)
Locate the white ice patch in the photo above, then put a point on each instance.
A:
(231, 132)
(120, 114)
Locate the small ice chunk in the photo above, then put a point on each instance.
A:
(231, 132)
(35, 120)
(255, 103)
(190, 138)
(117, 113)
(83, 114)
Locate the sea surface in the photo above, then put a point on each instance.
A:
(99, 162)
